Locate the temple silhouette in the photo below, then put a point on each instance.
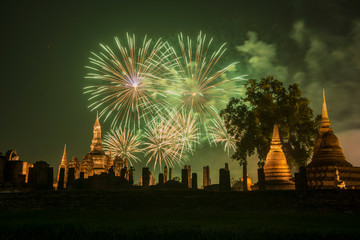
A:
(97, 169)
(328, 169)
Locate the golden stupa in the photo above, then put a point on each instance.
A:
(327, 151)
(328, 168)
(276, 169)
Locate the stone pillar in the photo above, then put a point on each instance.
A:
(194, 181)
(205, 183)
(301, 182)
(31, 176)
(61, 181)
(161, 178)
(50, 178)
(226, 166)
(145, 177)
(224, 180)
(189, 177)
(170, 174)
(208, 175)
(42, 176)
(70, 177)
(184, 177)
(13, 173)
(3, 162)
(165, 174)
(261, 179)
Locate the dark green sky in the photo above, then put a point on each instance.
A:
(46, 44)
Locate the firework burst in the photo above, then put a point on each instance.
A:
(162, 145)
(220, 135)
(187, 129)
(138, 86)
(197, 85)
(123, 143)
(127, 82)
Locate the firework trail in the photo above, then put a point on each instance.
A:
(175, 92)
(197, 84)
(123, 143)
(187, 129)
(127, 83)
(162, 144)
(220, 135)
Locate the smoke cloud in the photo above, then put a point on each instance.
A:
(323, 60)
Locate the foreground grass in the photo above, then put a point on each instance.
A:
(170, 224)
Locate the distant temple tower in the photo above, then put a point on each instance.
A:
(327, 150)
(276, 169)
(96, 143)
(96, 161)
(328, 168)
(63, 165)
(166, 174)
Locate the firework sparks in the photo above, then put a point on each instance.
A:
(123, 143)
(220, 135)
(126, 82)
(162, 144)
(197, 85)
(187, 130)
(139, 85)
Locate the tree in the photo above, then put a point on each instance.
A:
(250, 120)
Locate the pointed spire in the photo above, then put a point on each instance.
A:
(325, 122)
(276, 137)
(97, 123)
(64, 158)
(276, 170)
(96, 143)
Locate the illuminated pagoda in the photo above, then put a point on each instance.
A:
(328, 168)
(276, 169)
(63, 165)
(95, 162)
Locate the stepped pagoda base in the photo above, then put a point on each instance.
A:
(333, 177)
(279, 185)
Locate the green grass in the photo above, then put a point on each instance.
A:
(169, 224)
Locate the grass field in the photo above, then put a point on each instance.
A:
(164, 224)
(180, 214)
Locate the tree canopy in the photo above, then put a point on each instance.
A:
(250, 119)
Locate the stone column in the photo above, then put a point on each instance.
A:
(301, 182)
(205, 183)
(161, 178)
(70, 177)
(165, 174)
(189, 177)
(194, 181)
(208, 175)
(61, 179)
(224, 180)
(184, 177)
(170, 174)
(145, 177)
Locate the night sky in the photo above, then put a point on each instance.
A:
(45, 46)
